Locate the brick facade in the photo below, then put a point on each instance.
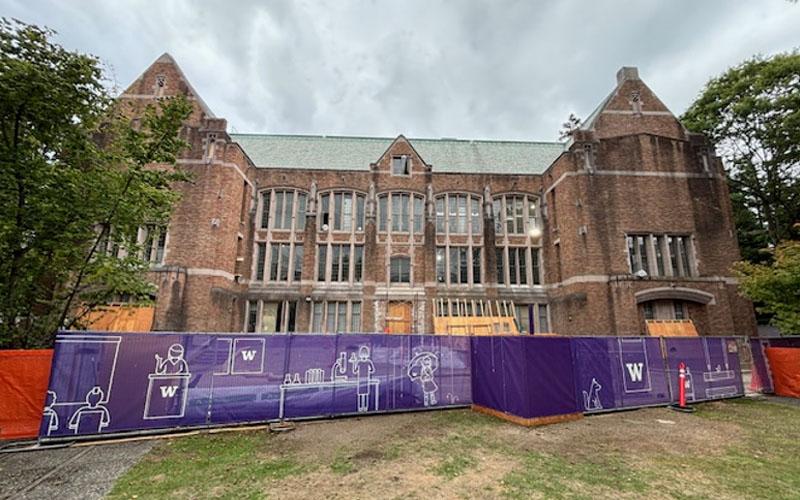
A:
(631, 169)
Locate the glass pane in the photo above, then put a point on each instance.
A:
(642, 241)
(322, 253)
(544, 325)
(463, 265)
(278, 224)
(345, 263)
(269, 317)
(265, 210)
(324, 211)
(382, 213)
(532, 214)
(476, 216)
(330, 323)
(476, 265)
(341, 321)
(497, 208)
(358, 263)
(316, 322)
(510, 214)
(291, 321)
(684, 251)
(284, 266)
(359, 212)
(523, 317)
(673, 251)
(298, 262)
(252, 315)
(499, 256)
(347, 212)
(301, 212)
(452, 213)
(405, 201)
(632, 263)
(262, 249)
(355, 317)
(512, 266)
(453, 265)
(657, 242)
(335, 252)
(337, 211)
(537, 273)
(462, 214)
(273, 265)
(440, 265)
(419, 214)
(519, 207)
(440, 215)
(288, 212)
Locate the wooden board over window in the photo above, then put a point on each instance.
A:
(121, 319)
(398, 317)
(474, 325)
(671, 328)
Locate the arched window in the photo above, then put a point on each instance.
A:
(341, 211)
(401, 213)
(458, 213)
(515, 213)
(282, 209)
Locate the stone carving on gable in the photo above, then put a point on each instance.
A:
(371, 200)
(312, 198)
(487, 202)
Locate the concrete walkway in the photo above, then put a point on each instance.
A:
(82, 472)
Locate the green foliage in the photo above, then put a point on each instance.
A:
(752, 113)
(76, 178)
(776, 287)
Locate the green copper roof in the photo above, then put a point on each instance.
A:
(356, 153)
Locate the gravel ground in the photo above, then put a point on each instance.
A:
(83, 472)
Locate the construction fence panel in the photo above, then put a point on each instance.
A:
(712, 367)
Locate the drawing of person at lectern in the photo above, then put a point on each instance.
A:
(363, 369)
(93, 412)
(174, 364)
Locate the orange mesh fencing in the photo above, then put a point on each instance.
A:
(24, 376)
(784, 363)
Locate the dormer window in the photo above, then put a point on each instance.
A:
(401, 165)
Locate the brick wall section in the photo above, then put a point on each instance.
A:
(633, 168)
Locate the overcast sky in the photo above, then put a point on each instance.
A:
(493, 69)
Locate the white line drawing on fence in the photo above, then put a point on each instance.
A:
(689, 385)
(422, 369)
(168, 385)
(93, 407)
(716, 373)
(634, 370)
(49, 413)
(92, 339)
(248, 355)
(359, 376)
(591, 398)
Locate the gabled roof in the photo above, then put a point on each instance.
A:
(357, 153)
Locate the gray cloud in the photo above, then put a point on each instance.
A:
(492, 69)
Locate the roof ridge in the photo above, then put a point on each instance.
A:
(385, 138)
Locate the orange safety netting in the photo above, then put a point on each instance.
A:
(784, 363)
(24, 376)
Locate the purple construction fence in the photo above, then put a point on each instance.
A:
(619, 372)
(107, 383)
(115, 383)
(712, 367)
(524, 376)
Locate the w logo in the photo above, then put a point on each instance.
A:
(168, 391)
(635, 371)
(249, 355)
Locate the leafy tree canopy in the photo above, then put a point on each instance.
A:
(752, 114)
(776, 287)
(77, 178)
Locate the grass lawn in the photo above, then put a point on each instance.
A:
(732, 449)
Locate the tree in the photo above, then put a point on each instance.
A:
(775, 287)
(752, 114)
(569, 127)
(77, 181)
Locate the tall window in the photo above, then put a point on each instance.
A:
(341, 212)
(660, 255)
(532, 318)
(271, 317)
(340, 263)
(515, 213)
(154, 245)
(401, 212)
(518, 266)
(400, 269)
(336, 317)
(282, 209)
(285, 262)
(458, 214)
(458, 265)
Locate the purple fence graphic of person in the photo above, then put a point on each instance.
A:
(422, 369)
(168, 386)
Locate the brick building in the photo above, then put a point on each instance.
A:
(629, 220)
